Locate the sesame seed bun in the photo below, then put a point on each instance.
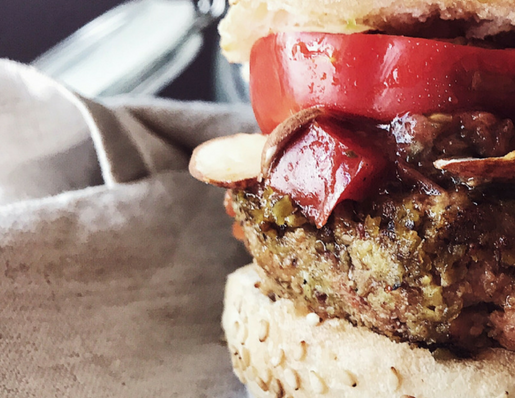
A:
(282, 350)
(248, 20)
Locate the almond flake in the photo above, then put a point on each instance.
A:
(476, 171)
(230, 162)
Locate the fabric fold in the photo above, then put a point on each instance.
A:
(112, 258)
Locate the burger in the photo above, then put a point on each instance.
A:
(378, 202)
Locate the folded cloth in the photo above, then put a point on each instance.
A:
(112, 258)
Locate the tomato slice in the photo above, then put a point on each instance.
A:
(376, 76)
(324, 164)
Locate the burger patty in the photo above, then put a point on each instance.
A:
(432, 269)
(435, 269)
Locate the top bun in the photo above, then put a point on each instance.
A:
(248, 20)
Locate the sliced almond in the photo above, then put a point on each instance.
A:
(478, 171)
(229, 162)
(282, 134)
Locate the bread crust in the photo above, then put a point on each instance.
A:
(281, 350)
(248, 20)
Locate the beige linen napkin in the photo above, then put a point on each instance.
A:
(112, 258)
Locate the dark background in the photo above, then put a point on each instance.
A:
(30, 27)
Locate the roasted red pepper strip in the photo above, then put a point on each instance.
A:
(324, 164)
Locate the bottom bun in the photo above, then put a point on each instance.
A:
(281, 350)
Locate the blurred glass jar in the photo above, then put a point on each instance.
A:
(137, 48)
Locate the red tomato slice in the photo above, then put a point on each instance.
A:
(376, 76)
(325, 164)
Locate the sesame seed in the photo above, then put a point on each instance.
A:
(312, 319)
(277, 359)
(235, 362)
(277, 388)
(245, 357)
(299, 351)
(237, 367)
(407, 396)
(393, 380)
(242, 334)
(349, 379)
(264, 327)
(266, 375)
(233, 350)
(252, 372)
(317, 383)
(292, 378)
(238, 305)
(262, 384)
